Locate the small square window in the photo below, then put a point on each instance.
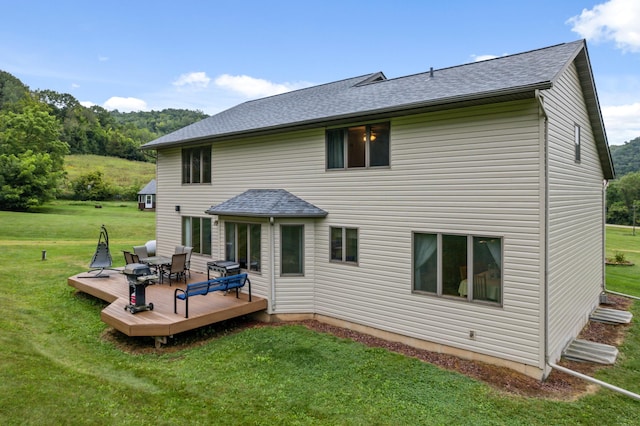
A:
(344, 245)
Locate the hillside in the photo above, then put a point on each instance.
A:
(117, 171)
(626, 158)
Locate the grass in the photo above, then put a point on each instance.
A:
(623, 279)
(118, 171)
(56, 369)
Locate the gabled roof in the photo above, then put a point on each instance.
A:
(266, 203)
(149, 188)
(374, 96)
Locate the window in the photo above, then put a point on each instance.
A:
(196, 165)
(292, 249)
(576, 140)
(461, 266)
(344, 244)
(196, 233)
(358, 147)
(242, 244)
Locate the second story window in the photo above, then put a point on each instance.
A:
(358, 147)
(196, 165)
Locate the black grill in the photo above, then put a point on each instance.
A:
(223, 267)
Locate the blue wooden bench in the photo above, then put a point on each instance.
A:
(205, 287)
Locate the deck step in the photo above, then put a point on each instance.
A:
(584, 350)
(611, 316)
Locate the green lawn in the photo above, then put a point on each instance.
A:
(55, 368)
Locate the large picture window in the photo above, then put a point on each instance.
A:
(292, 249)
(196, 165)
(462, 266)
(358, 147)
(196, 233)
(242, 244)
(344, 244)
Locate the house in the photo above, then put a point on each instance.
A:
(147, 197)
(458, 210)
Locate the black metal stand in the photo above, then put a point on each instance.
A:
(137, 294)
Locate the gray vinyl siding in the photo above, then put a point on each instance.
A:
(575, 215)
(469, 171)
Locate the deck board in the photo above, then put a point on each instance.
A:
(161, 321)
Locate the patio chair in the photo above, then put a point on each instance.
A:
(102, 257)
(141, 251)
(188, 250)
(187, 264)
(128, 257)
(177, 268)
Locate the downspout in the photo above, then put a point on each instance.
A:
(272, 265)
(540, 99)
(596, 381)
(625, 392)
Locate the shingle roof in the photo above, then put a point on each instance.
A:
(371, 96)
(509, 74)
(149, 188)
(267, 203)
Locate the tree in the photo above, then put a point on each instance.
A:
(11, 90)
(31, 157)
(91, 186)
(27, 180)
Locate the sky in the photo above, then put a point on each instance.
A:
(140, 55)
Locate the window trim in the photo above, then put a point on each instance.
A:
(470, 261)
(344, 245)
(301, 254)
(577, 142)
(248, 243)
(345, 146)
(188, 241)
(205, 167)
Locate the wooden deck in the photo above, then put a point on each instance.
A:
(161, 321)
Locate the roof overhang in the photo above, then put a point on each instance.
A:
(441, 104)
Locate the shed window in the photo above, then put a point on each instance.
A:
(462, 266)
(358, 146)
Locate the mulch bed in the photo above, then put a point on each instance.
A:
(558, 386)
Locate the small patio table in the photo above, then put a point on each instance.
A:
(158, 262)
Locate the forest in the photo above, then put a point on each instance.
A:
(38, 128)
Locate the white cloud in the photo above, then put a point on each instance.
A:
(125, 104)
(255, 87)
(74, 85)
(614, 20)
(103, 58)
(621, 122)
(478, 58)
(193, 79)
(87, 104)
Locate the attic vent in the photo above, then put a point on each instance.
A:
(373, 78)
